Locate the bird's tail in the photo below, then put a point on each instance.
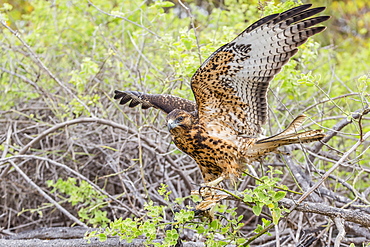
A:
(288, 136)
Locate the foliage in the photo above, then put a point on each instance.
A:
(89, 200)
(154, 224)
(265, 195)
(220, 230)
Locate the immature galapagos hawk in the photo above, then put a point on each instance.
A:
(220, 131)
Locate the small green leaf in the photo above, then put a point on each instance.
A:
(200, 229)
(279, 195)
(247, 198)
(215, 224)
(102, 237)
(258, 229)
(240, 241)
(257, 209)
(165, 4)
(276, 215)
(266, 222)
(240, 217)
(278, 172)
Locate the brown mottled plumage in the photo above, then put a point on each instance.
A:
(220, 132)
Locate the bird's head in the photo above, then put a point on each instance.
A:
(179, 121)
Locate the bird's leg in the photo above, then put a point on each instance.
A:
(215, 182)
(206, 189)
(210, 197)
(207, 206)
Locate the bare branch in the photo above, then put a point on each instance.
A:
(46, 196)
(16, 157)
(42, 66)
(330, 134)
(355, 216)
(123, 18)
(339, 222)
(100, 121)
(333, 168)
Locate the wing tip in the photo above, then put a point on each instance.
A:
(117, 94)
(127, 96)
(319, 9)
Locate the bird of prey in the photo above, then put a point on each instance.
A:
(221, 130)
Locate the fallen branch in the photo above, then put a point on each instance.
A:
(72, 237)
(355, 216)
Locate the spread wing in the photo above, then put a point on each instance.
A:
(164, 102)
(231, 85)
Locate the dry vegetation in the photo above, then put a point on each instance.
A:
(126, 154)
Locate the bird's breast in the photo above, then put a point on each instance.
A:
(215, 150)
(211, 143)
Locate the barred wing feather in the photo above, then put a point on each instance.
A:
(231, 85)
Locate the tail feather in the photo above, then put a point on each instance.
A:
(291, 129)
(303, 137)
(294, 126)
(288, 136)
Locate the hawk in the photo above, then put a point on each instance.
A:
(221, 130)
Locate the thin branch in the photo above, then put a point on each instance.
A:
(366, 111)
(339, 223)
(99, 121)
(7, 141)
(25, 79)
(347, 185)
(123, 18)
(46, 196)
(327, 100)
(194, 29)
(144, 57)
(42, 66)
(10, 159)
(355, 216)
(333, 168)
(330, 134)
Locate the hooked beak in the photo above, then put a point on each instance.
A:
(171, 124)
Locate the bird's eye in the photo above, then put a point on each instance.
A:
(179, 119)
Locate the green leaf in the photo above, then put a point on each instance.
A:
(247, 198)
(258, 229)
(276, 215)
(262, 196)
(102, 237)
(165, 4)
(225, 230)
(201, 229)
(278, 172)
(266, 222)
(279, 195)
(240, 217)
(240, 241)
(257, 209)
(215, 224)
